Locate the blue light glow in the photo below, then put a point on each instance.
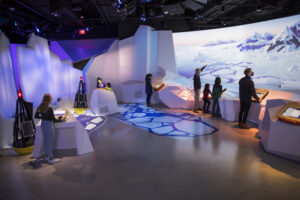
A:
(165, 123)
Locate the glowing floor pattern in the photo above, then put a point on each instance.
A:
(91, 123)
(165, 123)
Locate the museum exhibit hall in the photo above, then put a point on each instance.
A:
(149, 100)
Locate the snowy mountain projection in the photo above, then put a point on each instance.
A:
(270, 48)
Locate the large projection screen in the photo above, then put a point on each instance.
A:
(270, 48)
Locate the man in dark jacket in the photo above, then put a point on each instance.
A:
(247, 91)
(197, 87)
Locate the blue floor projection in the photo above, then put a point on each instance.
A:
(165, 123)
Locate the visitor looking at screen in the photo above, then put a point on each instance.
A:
(197, 87)
(246, 92)
(216, 94)
(45, 112)
(149, 89)
(100, 83)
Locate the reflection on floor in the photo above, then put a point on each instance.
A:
(130, 163)
(167, 123)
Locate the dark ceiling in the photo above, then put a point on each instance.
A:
(61, 19)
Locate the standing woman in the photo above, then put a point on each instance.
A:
(45, 113)
(149, 90)
(216, 94)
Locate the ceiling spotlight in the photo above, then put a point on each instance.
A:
(87, 28)
(37, 29)
(166, 12)
(259, 10)
(55, 14)
(143, 19)
(81, 17)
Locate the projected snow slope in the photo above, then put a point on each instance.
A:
(271, 48)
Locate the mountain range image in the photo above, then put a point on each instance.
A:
(287, 40)
(256, 41)
(219, 42)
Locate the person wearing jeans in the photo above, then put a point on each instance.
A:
(45, 113)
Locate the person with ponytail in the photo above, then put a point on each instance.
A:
(45, 113)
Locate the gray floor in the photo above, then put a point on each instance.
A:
(131, 163)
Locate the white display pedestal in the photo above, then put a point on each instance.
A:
(6, 132)
(230, 107)
(68, 135)
(176, 97)
(103, 102)
(280, 138)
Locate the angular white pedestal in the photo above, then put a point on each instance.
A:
(68, 135)
(279, 137)
(103, 102)
(6, 132)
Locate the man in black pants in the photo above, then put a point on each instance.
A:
(247, 91)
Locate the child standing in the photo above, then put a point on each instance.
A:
(206, 101)
(216, 94)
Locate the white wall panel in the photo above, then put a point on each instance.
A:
(106, 66)
(7, 83)
(42, 71)
(166, 53)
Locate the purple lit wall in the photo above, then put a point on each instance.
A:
(13, 50)
(58, 50)
(81, 49)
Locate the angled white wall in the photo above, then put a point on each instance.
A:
(7, 82)
(166, 53)
(138, 56)
(128, 61)
(105, 66)
(41, 71)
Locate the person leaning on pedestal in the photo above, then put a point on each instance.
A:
(45, 112)
(246, 91)
(148, 88)
(197, 87)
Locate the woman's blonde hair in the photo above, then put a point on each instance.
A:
(44, 106)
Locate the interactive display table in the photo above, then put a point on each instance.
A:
(68, 135)
(158, 86)
(230, 107)
(279, 137)
(261, 93)
(290, 113)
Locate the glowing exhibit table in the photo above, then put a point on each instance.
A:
(230, 107)
(175, 96)
(7, 129)
(103, 102)
(279, 137)
(68, 135)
